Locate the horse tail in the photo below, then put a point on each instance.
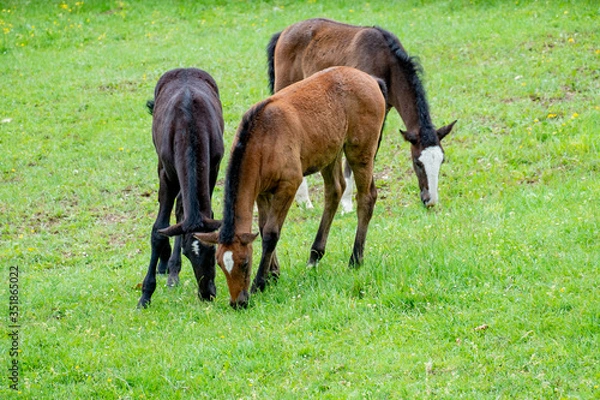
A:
(150, 105)
(192, 220)
(271, 60)
(382, 87)
(384, 92)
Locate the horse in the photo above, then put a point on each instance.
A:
(300, 130)
(309, 46)
(187, 131)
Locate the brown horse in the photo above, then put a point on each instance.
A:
(187, 130)
(302, 129)
(314, 44)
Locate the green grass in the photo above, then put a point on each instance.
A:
(514, 244)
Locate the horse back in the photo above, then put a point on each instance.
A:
(311, 121)
(186, 98)
(315, 44)
(187, 131)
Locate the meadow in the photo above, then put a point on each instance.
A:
(492, 294)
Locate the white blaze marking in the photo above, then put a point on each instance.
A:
(228, 260)
(196, 248)
(432, 158)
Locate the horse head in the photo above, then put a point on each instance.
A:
(235, 260)
(427, 159)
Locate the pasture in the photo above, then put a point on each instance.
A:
(493, 293)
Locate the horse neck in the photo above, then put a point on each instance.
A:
(402, 97)
(243, 205)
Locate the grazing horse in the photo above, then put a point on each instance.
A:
(314, 44)
(302, 129)
(187, 130)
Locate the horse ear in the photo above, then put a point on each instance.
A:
(173, 230)
(444, 130)
(247, 238)
(211, 225)
(411, 137)
(207, 238)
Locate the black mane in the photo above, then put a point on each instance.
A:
(413, 71)
(232, 178)
(271, 60)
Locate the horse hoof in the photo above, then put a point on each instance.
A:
(304, 202)
(315, 257)
(208, 291)
(347, 207)
(273, 275)
(143, 303)
(206, 297)
(354, 263)
(258, 286)
(307, 205)
(172, 281)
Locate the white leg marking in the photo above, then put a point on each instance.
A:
(228, 260)
(432, 158)
(196, 247)
(302, 197)
(347, 196)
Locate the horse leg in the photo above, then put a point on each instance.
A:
(174, 263)
(272, 219)
(302, 196)
(366, 196)
(349, 191)
(263, 203)
(163, 261)
(334, 187)
(166, 198)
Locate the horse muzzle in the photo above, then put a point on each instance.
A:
(428, 200)
(241, 301)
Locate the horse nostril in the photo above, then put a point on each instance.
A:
(236, 305)
(241, 301)
(425, 198)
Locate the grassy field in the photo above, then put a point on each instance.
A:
(492, 294)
